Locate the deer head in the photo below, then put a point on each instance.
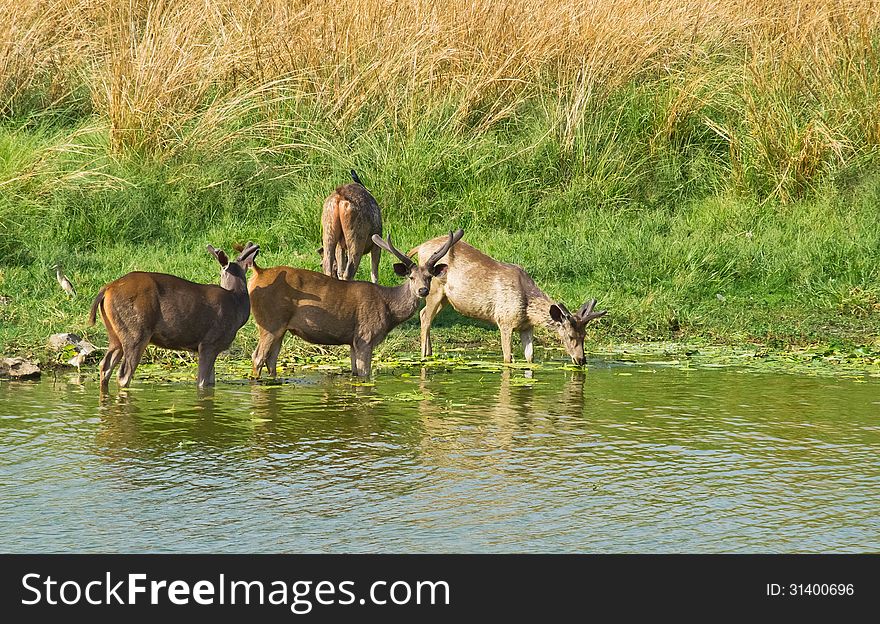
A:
(419, 276)
(233, 274)
(572, 327)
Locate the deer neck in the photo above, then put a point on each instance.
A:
(402, 304)
(241, 299)
(538, 308)
(236, 285)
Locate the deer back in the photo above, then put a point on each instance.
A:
(316, 307)
(177, 313)
(479, 286)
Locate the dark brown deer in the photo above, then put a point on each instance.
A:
(324, 310)
(481, 287)
(155, 308)
(350, 218)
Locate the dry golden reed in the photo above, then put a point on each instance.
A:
(166, 74)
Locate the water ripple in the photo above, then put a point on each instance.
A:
(706, 461)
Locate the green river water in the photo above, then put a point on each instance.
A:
(639, 458)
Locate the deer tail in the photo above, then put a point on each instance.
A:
(97, 302)
(354, 176)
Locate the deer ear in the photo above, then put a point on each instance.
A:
(247, 257)
(556, 313)
(401, 269)
(222, 258)
(219, 254)
(439, 269)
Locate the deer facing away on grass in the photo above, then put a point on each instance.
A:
(324, 310)
(155, 308)
(479, 286)
(350, 218)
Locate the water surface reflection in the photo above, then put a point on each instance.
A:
(640, 459)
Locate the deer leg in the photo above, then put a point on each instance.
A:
(114, 352)
(207, 357)
(507, 343)
(433, 305)
(131, 357)
(375, 256)
(354, 261)
(527, 337)
(366, 362)
(341, 262)
(361, 359)
(272, 359)
(328, 262)
(268, 344)
(108, 363)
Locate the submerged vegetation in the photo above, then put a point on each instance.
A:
(708, 169)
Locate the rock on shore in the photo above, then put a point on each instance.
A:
(18, 368)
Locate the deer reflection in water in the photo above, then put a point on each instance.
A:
(454, 436)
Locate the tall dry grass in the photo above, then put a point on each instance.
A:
(790, 87)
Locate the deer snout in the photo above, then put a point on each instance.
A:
(579, 361)
(423, 292)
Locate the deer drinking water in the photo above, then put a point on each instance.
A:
(479, 286)
(155, 308)
(350, 218)
(324, 310)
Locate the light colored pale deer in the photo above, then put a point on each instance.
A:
(480, 287)
(324, 310)
(350, 218)
(155, 308)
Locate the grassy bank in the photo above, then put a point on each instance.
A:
(707, 169)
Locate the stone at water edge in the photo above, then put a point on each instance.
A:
(18, 368)
(57, 342)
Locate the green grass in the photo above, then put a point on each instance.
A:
(663, 224)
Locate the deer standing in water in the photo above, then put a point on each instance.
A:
(350, 218)
(480, 287)
(155, 308)
(324, 310)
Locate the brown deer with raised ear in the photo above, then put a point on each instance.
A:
(480, 287)
(350, 218)
(324, 310)
(155, 308)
